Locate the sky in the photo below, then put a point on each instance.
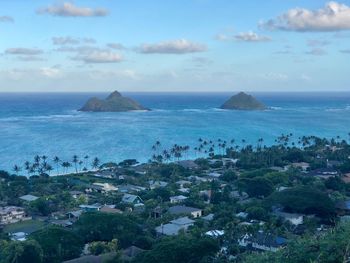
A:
(167, 45)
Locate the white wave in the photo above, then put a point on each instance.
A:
(193, 110)
(275, 108)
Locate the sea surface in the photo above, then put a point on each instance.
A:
(49, 123)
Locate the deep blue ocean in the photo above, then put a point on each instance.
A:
(49, 123)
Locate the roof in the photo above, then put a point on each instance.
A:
(153, 183)
(208, 217)
(181, 209)
(92, 258)
(129, 198)
(178, 197)
(344, 205)
(29, 198)
(170, 229)
(107, 209)
(10, 209)
(269, 240)
(76, 213)
(188, 164)
(182, 221)
(132, 251)
(215, 233)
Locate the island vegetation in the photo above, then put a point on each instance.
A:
(115, 102)
(236, 202)
(243, 101)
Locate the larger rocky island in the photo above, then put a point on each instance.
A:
(243, 101)
(115, 102)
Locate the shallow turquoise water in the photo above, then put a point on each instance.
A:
(49, 124)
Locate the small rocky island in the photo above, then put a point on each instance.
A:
(115, 102)
(243, 101)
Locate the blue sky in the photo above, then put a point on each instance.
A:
(182, 45)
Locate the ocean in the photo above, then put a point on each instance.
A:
(49, 123)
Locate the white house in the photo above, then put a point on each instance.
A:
(12, 214)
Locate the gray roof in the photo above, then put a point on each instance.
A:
(208, 217)
(29, 198)
(182, 221)
(170, 229)
(181, 209)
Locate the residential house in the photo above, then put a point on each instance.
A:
(132, 199)
(110, 209)
(262, 241)
(175, 226)
(91, 208)
(177, 199)
(183, 183)
(301, 165)
(214, 175)
(129, 188)
(76, 194)
(105, 187)
(323, 173)
(188, 164)
(181, 209)
(155, 184)
(12, 214)
(74, 215)
(105, 174)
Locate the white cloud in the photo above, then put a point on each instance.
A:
(117, 46)
(251, 37)
(274, 76)
(316, 52)
(23, 51)
(67, 9)
(332, 17)
(50, 72)
(7, 19)
(99, 57)
(71, 40)
(180, 46)
(317, 43)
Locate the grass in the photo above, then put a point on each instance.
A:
(28, 226)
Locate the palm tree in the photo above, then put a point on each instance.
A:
(86, 157)
(48, 168)
(80, 164)
(66, 165)
(27, 166)
(57, 162)
(75, 161)
(95, 163)
(16, 169)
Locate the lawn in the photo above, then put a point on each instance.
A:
(28, 226)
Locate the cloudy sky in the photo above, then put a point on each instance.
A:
(167, 45)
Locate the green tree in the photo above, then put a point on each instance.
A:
(58, 244)
(20, 252)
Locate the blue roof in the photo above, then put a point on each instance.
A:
(281, 240)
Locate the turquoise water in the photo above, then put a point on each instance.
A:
(49, 124)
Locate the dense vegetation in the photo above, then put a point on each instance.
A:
(242, 200)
